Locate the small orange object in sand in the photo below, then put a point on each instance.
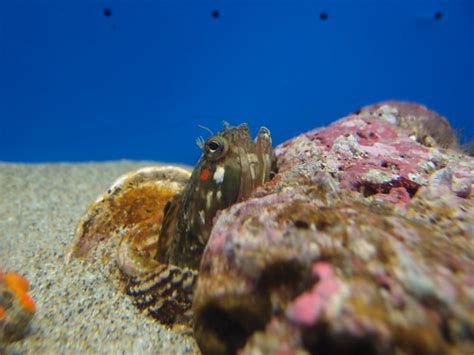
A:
(17, 283)
(17, 308)
(27, 302)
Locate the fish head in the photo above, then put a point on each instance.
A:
(232, 165)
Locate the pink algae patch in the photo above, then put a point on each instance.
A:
(379, 149)
(308, 307)
(216, 243)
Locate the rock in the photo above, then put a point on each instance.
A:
(363, 242)
(425, 126)
(16, 307)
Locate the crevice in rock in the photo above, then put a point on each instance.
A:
(368, 188)
(321, 340)
(224, 324)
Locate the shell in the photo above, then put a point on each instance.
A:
(131, 209)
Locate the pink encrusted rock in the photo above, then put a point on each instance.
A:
(424, 125)
(308, 307)
(362, 242)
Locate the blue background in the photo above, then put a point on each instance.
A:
(80, 83)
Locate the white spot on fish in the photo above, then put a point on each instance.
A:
(253, 159)
(209, 199)
(219, 175)
(202, 217)
(219, 194)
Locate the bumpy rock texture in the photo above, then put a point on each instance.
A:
(16, 307)
(363, 242)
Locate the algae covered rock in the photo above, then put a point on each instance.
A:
(363, 242)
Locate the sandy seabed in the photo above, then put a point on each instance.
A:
(79, 311)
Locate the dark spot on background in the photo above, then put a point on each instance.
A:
(438, 15)
(216, 14)
(323, 16)
(107, 12)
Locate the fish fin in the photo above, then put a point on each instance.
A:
(200, 142)
(206, 128)
(165, 294)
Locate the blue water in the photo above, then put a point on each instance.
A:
(98, 80)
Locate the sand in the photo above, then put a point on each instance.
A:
(78, 308)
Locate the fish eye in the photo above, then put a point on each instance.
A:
(215, 147)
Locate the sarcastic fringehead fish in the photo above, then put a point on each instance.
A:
(160, 218)
(230, 168)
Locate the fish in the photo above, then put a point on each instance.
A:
(230, 168)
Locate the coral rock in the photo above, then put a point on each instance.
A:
(16, 307)
(363, 242)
